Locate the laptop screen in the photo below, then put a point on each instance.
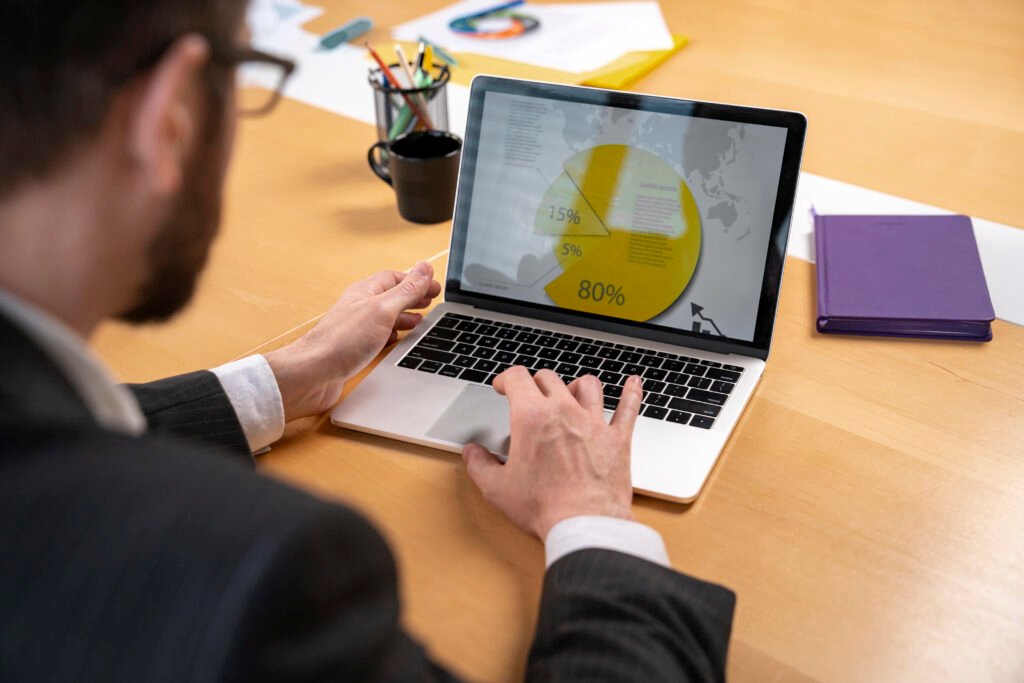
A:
(643, 212)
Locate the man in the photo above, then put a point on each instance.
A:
(138, 543)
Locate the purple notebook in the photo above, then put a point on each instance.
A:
(901, 276)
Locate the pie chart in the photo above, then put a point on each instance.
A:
(628, 233)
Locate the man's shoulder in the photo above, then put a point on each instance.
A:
(147, 540)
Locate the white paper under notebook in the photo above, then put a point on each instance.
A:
(576, 37)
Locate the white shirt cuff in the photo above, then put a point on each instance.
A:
(608, 533)
(252, 389)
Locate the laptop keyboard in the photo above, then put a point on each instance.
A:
(678, 389)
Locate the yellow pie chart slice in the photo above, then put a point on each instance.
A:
(629, 233)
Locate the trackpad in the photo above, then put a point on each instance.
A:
(477, 415)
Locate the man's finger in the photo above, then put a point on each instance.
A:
(482, 465)
(517, 384)
(407, 321)
(413, 287)
(588, 391)
(629, 405)
(550, 383)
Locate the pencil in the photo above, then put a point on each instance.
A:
(421, 115)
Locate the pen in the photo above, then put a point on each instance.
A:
(398, 86)
(420, 55)
(441, 53)
(345, 33)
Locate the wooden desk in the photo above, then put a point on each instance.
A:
(867, 510)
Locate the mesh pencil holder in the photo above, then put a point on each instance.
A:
(403, 110)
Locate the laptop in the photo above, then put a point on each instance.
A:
(606, 233)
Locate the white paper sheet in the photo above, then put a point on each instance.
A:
(597, 33)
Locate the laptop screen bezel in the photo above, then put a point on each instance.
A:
(795, 125)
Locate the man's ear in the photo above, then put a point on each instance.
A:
(166, 112)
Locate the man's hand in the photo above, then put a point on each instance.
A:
(564, 460)
(312, 370)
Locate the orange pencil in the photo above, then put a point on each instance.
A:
(420, 114)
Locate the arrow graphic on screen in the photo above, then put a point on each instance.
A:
(697, 311)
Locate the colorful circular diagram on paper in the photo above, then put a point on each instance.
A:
(629, 233)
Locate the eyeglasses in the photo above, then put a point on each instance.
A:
(264, 68)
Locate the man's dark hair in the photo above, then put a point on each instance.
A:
(63, 61)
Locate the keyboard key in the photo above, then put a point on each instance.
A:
(436, 343)
(702, 422)
(651, 361)
(610, 403)
(430, 366)
(655, 387)
(694, 369)
(610, 377)
(500, 368)
(408, 362)
(505, 333)
(525, 361)
(655, 412)
(711, 397)
(481, 352)
(591, 362)
(675, 390)
(466, 326)
(654, 373)
(464, 361)
(699, 382)
(630, 357)
(567, 370)
(711, 363)
(613, 391)
(469, 338)
(549, 354)
(672, 365)
(608, 352)
(694, 407)
(457, 316)
(506, 345)
(612, 366)
(630, 368)
(566, 345)
(463, 349)
(679, 417)
(487, 330)
(727, 375)
(545, 341)
(545, 364)
(488, 342)
(529, 349)
(722, 387)
(485, 365)
(569, 357)
(677, 378)
(505, 357)
(655, 399)
(447, 321)
(474, 376)
(587, 349)
(443, 332)
(442, 357)
(450, 371)
(734, 368)
(526, 337)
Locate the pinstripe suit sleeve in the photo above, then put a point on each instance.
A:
(608, 616)
(194, 407)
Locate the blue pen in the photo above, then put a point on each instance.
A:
(345, 33)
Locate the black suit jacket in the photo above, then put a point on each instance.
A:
(167, 558)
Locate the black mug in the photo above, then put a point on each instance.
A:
(423, 167)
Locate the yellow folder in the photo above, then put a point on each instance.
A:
(615, 75)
